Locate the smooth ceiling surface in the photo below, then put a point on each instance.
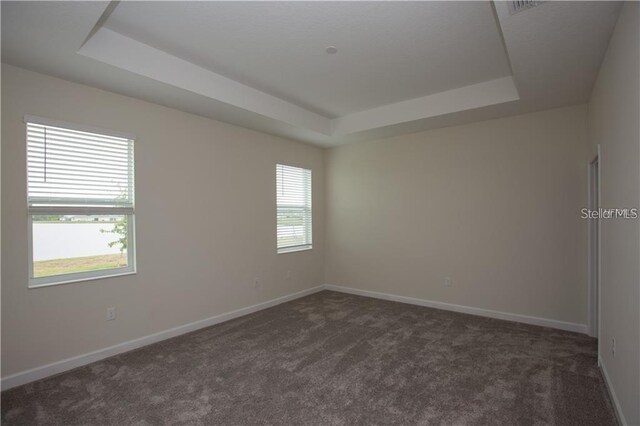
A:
(556, 49)
(387, 51)
(401, 67)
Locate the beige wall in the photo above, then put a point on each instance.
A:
(493, 205)
(614, 120)
(205, 222)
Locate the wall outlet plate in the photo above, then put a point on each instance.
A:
(613, 347)
(111, 314)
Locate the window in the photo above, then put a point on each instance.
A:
(80, 192)
(293, 199)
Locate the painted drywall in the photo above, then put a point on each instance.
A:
(614, 124)
(205, 224)
(494, 205)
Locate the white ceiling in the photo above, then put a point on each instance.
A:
(279, 48)
(400, 67)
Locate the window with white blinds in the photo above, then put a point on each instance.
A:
(294, 214)
(80, 197)
(78, 171)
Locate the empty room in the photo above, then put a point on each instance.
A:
(320, 213)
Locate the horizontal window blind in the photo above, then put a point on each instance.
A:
(293, 190)
(78, 171)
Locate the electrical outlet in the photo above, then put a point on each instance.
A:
(256, 283)
(111, 314)
(613, 346)
(447, 281)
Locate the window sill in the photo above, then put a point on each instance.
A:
(38, 282)
(295, 249)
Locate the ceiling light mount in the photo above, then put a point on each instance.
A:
(331, 50)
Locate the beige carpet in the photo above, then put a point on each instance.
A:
(334, 359)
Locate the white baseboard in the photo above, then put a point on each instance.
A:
(544, 322)
(80, 360)
(612, 393)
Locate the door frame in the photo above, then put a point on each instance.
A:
(594, 246)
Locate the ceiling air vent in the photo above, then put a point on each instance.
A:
(516, 6)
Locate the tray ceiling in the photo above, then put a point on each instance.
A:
(399, 66)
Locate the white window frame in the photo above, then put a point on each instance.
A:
(130, 269)
(303, 247)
